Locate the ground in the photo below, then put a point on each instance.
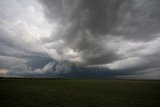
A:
(79, 93)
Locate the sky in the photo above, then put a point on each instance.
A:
(80, 38)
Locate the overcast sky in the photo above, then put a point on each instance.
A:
(80, 38)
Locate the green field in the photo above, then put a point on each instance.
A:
(79, 93)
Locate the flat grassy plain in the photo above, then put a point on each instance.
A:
(79, 93)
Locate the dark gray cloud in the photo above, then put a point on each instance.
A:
(38, 61)
(83, 24)
(108, 31)
(88, 21)
(80, 38)
(132, 19)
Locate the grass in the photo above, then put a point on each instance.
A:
(79, 93)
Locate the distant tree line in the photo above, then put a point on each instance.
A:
(19, 78)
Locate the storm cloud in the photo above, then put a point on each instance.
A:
(80, 38)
